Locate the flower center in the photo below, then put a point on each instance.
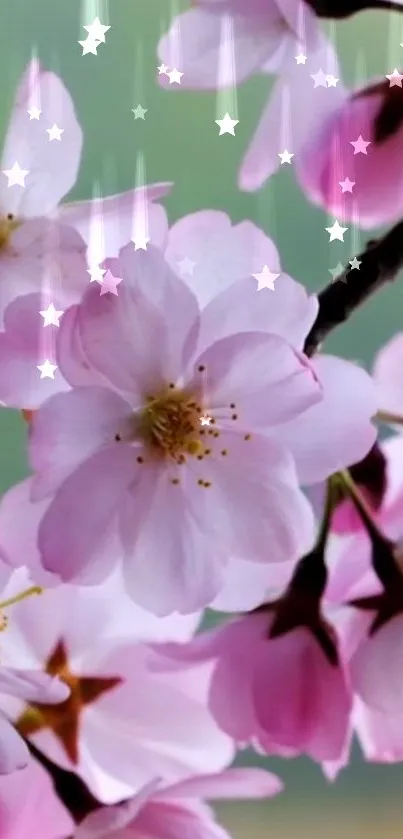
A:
(8, 223)
(169, 424)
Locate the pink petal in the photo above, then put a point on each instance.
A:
(267, 380)
(230, 784)
(337, 431)
(256, 39)
(68, 429)
(376, 671)
(327, 159)
(379, 734)
(221, 252)
(32, 686)
(310, 708)
(288, 312)
(289, 119)
(18, 543)
(148, 273)
(387, 374)
(116, 214)
(28, 803)
(74, 533)
(254, 503)
(14, 753)
(24, 344)
(52, 166)
(174, 566)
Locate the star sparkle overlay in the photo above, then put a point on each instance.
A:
(336, 232)
(47, 370)
(16, 176)
(265, 279)
(51, 316)
(227, 125)
(139, 112)
(96, 35)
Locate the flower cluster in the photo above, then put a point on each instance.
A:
(190, 447)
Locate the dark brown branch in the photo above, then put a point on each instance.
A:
(69, 788)
(380, 263)
(338, 9)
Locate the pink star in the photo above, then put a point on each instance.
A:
(395, 78)
(360, 145)
(347, 185)
(110, 284)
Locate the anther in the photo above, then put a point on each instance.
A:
(118, 438)
(247, 437)
(201, 368)
(232, 405)
(224, 451)
(140, 459)
(175, 481)
(234, 416)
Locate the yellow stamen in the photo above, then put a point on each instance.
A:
(22, 596)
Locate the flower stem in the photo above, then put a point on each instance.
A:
(381, 261)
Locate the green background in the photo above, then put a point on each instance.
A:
(180, 142)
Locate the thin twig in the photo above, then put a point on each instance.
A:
(345, 8)
(381, 262)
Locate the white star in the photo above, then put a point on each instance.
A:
(319, 78)
(205, 419)
(174, 76)
(16, 175)
(336, 232)
(96, 30)
(227, 125)
(347, 185)
(300, 58)
(51, 316)
(186, 266)
(89, 46)
(360, 145)
(96, 273)
(34, 113)
(332, 81)
(47, 370)
(110, 284)
(140, 242)
(285, 156)
(55, 133)
(139, 112)
(355, 263)
(163, 70)
(395, 78)
(265, 279)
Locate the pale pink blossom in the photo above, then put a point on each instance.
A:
(266, 37)
(35, 252)
(182, 503)
(287, 694)
(29, 806)
(178, 811)
(126, 721)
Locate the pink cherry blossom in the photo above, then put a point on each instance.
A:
(174, 496)
(388, 378)
(35, 253)
(267, 36)
(308, 710)
(30, 807)
(328, 158)
(178, 811)
(128, 721)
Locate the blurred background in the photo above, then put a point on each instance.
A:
(180, 143)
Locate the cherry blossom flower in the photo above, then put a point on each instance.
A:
(177, 811)
(309, 709)
(137, 417)
(267, 35)
(374, 168)
(125, 722)
(35, 252)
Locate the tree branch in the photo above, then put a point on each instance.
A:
(381, 261)
(338, 9)
(69, 788)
